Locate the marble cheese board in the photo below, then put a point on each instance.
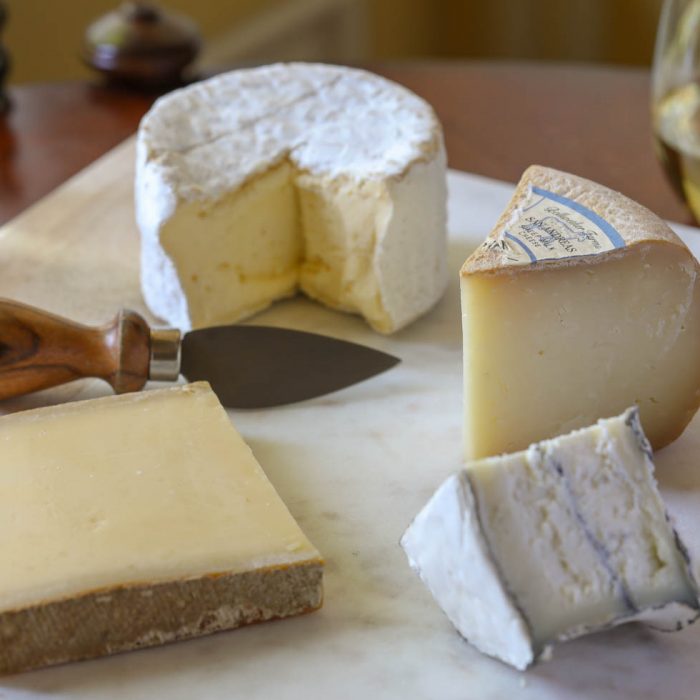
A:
(353, 467)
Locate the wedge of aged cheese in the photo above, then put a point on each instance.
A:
(258, 182)
(579, 304)
(135, 520)
(565, 538)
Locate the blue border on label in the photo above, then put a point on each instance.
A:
(612, 234)
(531, 255)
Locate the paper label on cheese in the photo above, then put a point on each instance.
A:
(549, 226)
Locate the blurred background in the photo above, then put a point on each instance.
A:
(44, 37)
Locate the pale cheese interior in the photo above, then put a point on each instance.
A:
(138, 488)
(579, 532)
(551, 349)
(251, 253)
(281, 231)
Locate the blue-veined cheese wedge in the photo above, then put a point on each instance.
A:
(567, 537)
(579, 304)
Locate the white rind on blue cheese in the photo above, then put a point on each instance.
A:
(567, 537)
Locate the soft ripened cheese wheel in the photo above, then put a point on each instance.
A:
(568, 537)
(135, 520)
(580, 303)
(258, 182)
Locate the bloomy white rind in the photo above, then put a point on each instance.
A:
(330, 120)
(160, 284)
(333, 123)
(412, 269)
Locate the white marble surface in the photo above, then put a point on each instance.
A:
(354, 467)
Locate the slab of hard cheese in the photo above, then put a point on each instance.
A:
(136, 520)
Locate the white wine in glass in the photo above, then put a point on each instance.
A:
(676, 97)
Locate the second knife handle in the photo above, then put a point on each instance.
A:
(39, 350)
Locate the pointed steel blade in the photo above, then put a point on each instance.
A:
(261, 366)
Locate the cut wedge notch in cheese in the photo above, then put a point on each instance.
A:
(135, 520)
(580, 303)
(259, 182)
(568, 537)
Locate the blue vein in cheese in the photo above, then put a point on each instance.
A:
(597, 545)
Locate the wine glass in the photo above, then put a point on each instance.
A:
(675, 92)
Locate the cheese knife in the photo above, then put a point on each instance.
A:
(247, 366)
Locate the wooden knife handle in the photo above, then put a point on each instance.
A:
(39, 350)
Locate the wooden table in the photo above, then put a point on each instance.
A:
(498, 119)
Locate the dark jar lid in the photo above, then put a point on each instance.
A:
(142, 44)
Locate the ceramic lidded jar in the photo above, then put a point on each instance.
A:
(143, 45)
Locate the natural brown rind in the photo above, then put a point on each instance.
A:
(112, 620)
(635, 223)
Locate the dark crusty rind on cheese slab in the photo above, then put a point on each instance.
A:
(135, 520)
(579, 303)
(122, 618)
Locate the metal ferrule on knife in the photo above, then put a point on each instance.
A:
(166, 354)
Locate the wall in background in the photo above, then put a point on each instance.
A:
(44, 36)
(609, 31)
